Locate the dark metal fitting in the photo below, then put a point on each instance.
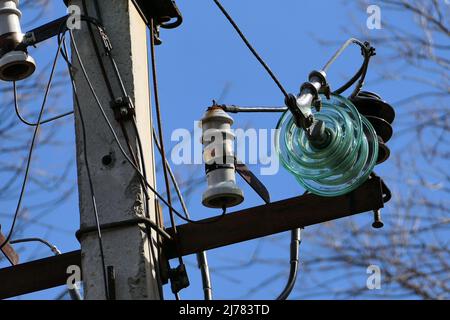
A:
(317, 103)
(368, 49)
(309, 86)
(111, 274)
(320, 75)
(216, 166)
(123, 109)
(178, 278)
(324, 86)
(106, 41)
(300, 120)
(156, 35)
(377, 223)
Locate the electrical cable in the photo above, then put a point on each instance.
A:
(340, 51)
(97, 50)
(76, 51)
(250, 47)
(88, 172)
(52, 247)
(124, 92)
(296, 240)
(26, 122)
(160, 129)
(202, 259)
(122, 126)
(238, 109)
(116, 138)
(111, 93)
(74, 292)
(108, 82)
(121, 149)
(294, 257)
(367, 50)
(31, 149)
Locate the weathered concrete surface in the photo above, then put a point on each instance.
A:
(118, 192)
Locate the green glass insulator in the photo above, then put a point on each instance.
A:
(344, 163)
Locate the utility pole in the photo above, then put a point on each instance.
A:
(118, 189)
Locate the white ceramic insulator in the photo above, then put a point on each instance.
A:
(10, 19)
(218, 141)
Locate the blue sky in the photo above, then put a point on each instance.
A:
(196, 62)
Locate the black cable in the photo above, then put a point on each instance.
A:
(122, 126)
(296, 240)
(97, 50)
(74, 292)
(367, 51)
(122, 86)
(31, 149)
(250, 47)
(160, 129)
(52, 247)
(202, 259)
(88, 171)
(28, 123)
(238, 109)
(89, 20)
(127, 158)
(294, 257)
(76, 51)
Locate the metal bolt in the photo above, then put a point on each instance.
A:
(377, 223)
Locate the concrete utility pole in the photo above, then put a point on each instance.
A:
(118, 190)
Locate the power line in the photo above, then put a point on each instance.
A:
(28, 123)
(121, 149)
(294, 257)
(160, 129)
(252, 49)
(31, 149)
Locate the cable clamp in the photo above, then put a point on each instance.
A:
(178, 278)
(123, 108)
(106, 41)
(300, 119)
(122, 224)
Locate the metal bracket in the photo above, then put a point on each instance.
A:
(252, 180)
(123, 109)
(42, 33)
(162, 11)
(300, 105)
(178, 278)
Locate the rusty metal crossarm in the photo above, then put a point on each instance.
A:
(274, 218)
(235, 227)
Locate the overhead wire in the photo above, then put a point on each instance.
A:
(31, 150)
(296, 240)
(251, 48)
(73, 292)
(203, 262)
(202, 259)
(76, 51)
(294, 264)
(160, 129)
(29, 123)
